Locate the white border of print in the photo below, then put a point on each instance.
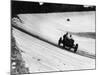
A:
(5, 37)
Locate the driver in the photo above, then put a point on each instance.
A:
(71, 40)
(65, 35)
(65, 38)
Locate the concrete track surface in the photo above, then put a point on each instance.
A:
(43, 57)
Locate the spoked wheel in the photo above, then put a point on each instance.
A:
(76, 47)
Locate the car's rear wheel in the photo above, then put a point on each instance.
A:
(60, 41)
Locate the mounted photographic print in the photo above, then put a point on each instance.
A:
(52, 37)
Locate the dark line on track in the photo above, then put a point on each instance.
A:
(79, 52)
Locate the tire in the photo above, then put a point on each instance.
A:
(63, 45)
(59, 42)
(76, 47)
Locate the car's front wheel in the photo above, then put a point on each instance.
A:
(76, 47)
